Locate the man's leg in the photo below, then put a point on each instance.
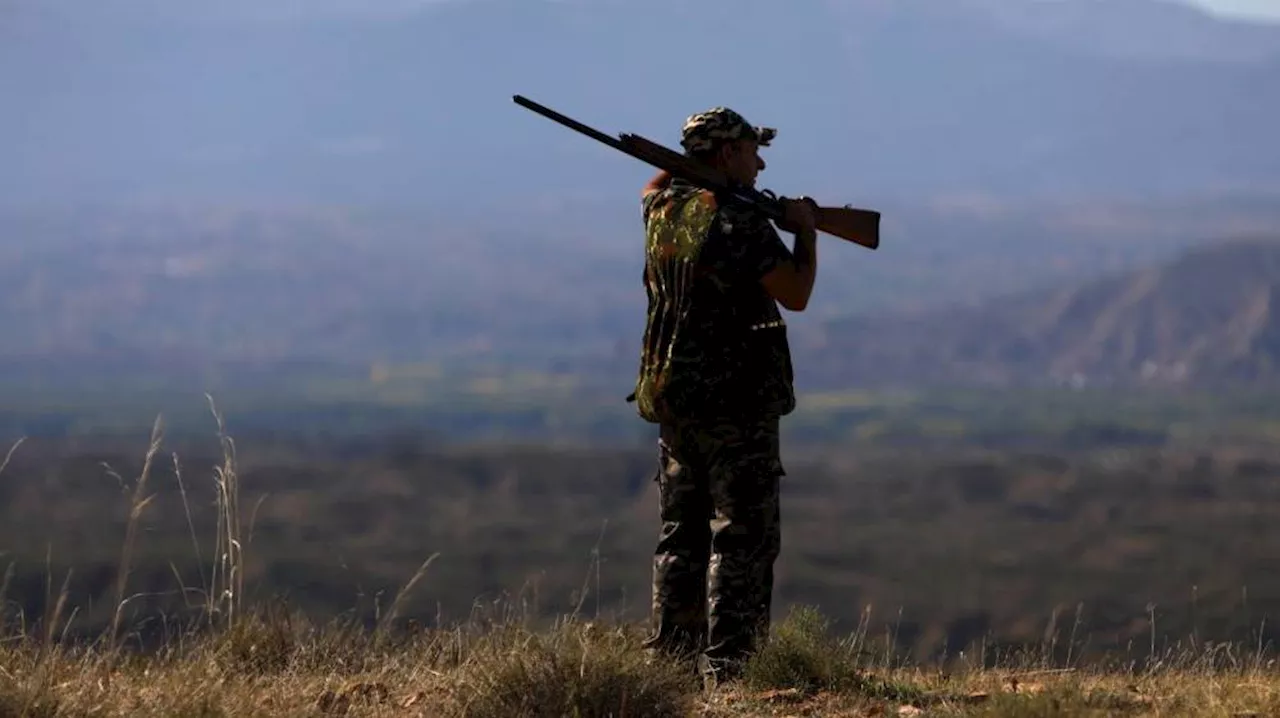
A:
(681, 556)
(772, 547)
(745, 471)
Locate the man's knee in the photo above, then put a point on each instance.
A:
(746, 501)
(747, 461)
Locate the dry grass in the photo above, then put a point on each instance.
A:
(270, 663)
(235, 659)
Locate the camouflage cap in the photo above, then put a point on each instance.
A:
(703, 130)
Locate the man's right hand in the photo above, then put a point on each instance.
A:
(799, 216)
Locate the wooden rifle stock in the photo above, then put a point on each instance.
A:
(859, 226)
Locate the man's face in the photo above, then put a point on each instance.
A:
(741, 162)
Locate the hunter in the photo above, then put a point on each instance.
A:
(716, 377)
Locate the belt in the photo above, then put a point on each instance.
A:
(768, 325)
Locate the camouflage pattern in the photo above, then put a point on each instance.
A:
(721, 533)
(716, 375)
(703, 130)
(715, 344)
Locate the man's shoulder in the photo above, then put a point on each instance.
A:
(679, 194)
(676, 191)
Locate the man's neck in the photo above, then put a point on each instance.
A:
(682, 182)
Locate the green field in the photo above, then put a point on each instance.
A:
(497, 403)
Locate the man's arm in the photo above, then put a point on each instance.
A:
(791, 282)
(652, 191)
(659, 182)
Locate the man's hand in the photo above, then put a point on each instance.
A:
(799, 217)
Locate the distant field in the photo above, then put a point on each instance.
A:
(948, 546)
(504, 403)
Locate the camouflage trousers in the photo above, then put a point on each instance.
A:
(721, 533)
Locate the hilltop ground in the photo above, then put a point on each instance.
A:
(269, 664)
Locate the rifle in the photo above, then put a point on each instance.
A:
(860, 226)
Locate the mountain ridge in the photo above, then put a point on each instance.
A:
(1209, 316)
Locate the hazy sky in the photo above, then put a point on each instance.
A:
(149, 98)
(1264, 8)
(286, 9)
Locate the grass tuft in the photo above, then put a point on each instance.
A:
(572, 669)
(802, 655)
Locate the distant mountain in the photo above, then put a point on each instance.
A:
(408, 103)
(1209, 317)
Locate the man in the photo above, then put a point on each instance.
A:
(715, 375)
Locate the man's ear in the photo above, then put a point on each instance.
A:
(724, 153)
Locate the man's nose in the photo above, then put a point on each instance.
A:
(760, 163)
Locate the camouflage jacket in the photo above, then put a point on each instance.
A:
(715, 344)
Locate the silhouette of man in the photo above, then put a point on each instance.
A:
(716, 377)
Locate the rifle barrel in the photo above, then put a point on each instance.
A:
(569, 122)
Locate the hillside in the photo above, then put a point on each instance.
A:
(209, 285)
(1211, 315)
(103, 307)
